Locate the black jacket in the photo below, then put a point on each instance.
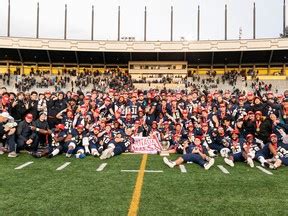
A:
(24, 131)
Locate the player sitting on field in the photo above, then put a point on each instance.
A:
(195, 153)
(119, 145)
(75, 143)
(59, 135)
(281, 158)
(250, 149)
(235, 150)
(268, 152)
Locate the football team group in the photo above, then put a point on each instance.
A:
(240, 127)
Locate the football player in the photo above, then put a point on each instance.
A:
(235, 152)
(58, 135)
(119, 145)
(250, 149)
(269, 151)
(75, 142)
(281, 157)
(195, 153)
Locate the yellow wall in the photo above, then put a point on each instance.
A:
(273, 70)
(269, 78)
(202, 71)
(3, 69)
(56, 69)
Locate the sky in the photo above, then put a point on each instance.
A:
(269, 15)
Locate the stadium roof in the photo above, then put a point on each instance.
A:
(202, 53)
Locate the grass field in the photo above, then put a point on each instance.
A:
(79, 189)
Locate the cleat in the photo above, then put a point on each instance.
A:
(50, 155)
(265, 164)
(104, 154)
(36, 154)
(272, 166)
(229, 162)
(250, 162)
(96, 154)
(107, 153)
(209, 164)
(12, 154)
(87, 152)
(80, 156)
(212, 153)
(100, 150)
(168, 162)
(69, 153)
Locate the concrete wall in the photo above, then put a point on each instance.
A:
(140, 46)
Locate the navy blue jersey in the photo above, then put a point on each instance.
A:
(208, 139)
(125, 144)
(128, 123)
(58, 134)
(265, 151)
(106, 139)
(254, 147)
(236, 146)
(118, 131)
(282, 150)
(192, 146)
(93, 139)
(133, 108)
(68, 122)
(76, 137)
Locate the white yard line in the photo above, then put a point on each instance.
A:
(183, 169)
(264, 170)
(223, 169)
(101, 167)
(148, 171)
(24, 165)
(63, 166)
(153, 171)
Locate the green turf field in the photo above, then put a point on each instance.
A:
(79, 189)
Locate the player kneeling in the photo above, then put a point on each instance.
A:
(250, 148)
(195, 153)
(119, 145)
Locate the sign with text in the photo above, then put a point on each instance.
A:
(146, 145)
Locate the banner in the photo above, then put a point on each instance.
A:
(146, 145)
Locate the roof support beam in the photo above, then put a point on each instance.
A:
(20, 56)
(76, 57)
(48, 55)
(131, 56)
(104, 59)
(271, 56)
(241, 57)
